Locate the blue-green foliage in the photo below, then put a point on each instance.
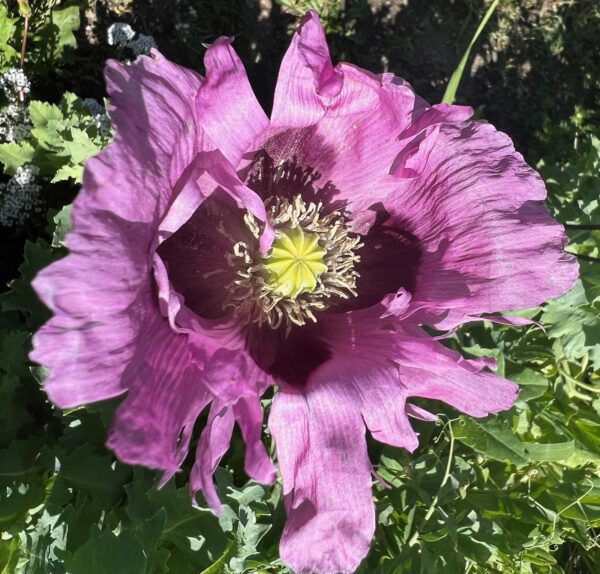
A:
(518, 492)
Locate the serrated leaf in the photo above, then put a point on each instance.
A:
(57, 33)
(67, 21)
(531, 384)
(587, 431)
(108, 553)
(66, 172)
(62, 225)
(16, 500)
(217, 566)
(573, 323)
(14, 155)
(40, 544)
(186, 525)
(41, 113)
(247, 495)
(8, 55)
(97, 475)
(80, 148)
(18, 460)
(498, 442)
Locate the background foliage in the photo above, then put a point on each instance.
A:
(514, 493)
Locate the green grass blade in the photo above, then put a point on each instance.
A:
(454, 82)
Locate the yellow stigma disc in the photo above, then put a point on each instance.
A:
(294, 262)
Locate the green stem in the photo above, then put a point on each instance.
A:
(564, 371)
(23, 49)
(454, 82)
(586, 257)
(585, 226)
(446, 475)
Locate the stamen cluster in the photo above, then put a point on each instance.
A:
(258, 298)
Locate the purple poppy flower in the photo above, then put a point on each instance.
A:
(216, 252)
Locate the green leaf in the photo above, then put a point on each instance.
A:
(107, 553)
(67, 21)
(55, 34)
(13, 411)
(454, 82)
(531, 383)
(8, 55)
(587, 430)
(41, 113)
(18, 461)
(14, 155)
(21, 486)
(66, 172)
(573, 323)
(217, 566)
(13, 353)
(9, 552)
(41, 544)
(191, 534)
(80, 148)
(99, 476)
(498, 442)
(62, 225)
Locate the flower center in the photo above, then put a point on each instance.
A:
(295, 262)
(309, 266)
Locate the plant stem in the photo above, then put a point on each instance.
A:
(23, 48)
(446, 474)
(586, 226)
(453, 83)
(588, 258)
(584, 257)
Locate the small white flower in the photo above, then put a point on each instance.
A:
(13, 82)
(14, 111)
(19, 132)
(120, 34)
(14, 125)
(20, 196)
(26, 174)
